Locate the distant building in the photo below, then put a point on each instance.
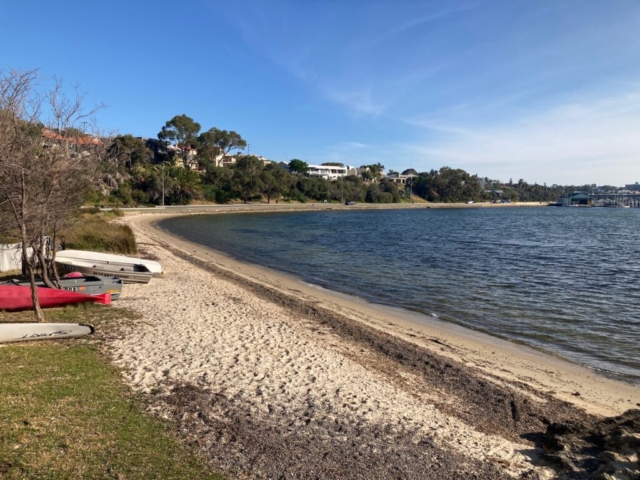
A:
(575, 198)
(400, 179)
(228, 160)
(77, 140)
(328, 172)
(284, 166)
(160, 152)
(224, 160)
(634, 187)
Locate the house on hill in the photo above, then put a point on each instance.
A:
(400, 179)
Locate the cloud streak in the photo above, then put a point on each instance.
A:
(594, 140)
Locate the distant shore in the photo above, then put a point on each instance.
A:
(294, 207)
(292, 379)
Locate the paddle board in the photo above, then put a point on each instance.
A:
(22, 332)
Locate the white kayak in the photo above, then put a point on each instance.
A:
(107, 258)
(22, 332)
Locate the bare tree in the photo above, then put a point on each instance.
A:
(47, 165)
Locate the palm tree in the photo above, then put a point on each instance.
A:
(186, 185)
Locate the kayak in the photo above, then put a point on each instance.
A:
(108, 259)
(14, 298)
(20, 332)
(89, 284)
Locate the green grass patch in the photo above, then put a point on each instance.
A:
(95, 233)
(65, 413)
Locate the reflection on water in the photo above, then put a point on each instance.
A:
(565, 280)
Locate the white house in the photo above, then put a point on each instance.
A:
(224, 160)
(328, 172)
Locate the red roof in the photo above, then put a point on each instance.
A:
(84, 140)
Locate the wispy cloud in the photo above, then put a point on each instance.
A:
(495, 90)
(403, 27)
(359, 101)
(353, 145)
(591, 140)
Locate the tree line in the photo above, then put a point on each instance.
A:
(136, 175)
(178, 176)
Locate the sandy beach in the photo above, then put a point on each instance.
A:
(268, 377)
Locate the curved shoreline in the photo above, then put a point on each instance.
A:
(508, 361)
(313, 207)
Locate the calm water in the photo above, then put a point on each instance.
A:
(566, 280)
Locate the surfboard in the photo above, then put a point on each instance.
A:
(22, 332)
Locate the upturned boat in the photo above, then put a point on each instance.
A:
(107, 259)
(22, 332)
(77, 282)
(129, 273)
(14, 298)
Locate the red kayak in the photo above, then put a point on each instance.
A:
(13, 298)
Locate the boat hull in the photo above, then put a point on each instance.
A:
(14, 298)
(107, 259)
(88, 284)
(127, 273)
(22, 332)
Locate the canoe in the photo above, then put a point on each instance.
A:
(14, 298)
(107, 258)
(129, 273)
(21, 332)
(89, 284)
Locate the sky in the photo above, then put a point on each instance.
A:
(543, 90)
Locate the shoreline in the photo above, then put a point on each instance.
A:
(547, 372)
(266, 376)
(304, 207)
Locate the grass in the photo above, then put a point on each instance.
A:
(65, 412)
(94, 232)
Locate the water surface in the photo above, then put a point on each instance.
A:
(566, 280)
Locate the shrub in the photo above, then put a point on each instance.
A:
(122, 195)
(210, 193)
(140, 197)
(117, 212)
(96, 234)
(385, 197)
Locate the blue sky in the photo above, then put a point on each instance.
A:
(548, 91)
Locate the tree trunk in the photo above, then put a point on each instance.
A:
(54, 270)
(37, 311)
(44, 268)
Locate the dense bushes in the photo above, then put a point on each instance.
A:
(93, 232)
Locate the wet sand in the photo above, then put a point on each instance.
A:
(269, 377)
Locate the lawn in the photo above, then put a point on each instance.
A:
(65, 412)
